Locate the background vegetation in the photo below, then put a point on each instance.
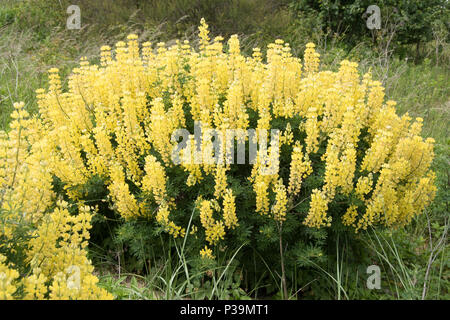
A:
(410, 55)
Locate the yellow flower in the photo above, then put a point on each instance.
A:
(220, 179)
(229, 209)
(280, 207)
(350, 216)
(311, 58)
(300, 169)
(317, 215)
(155, 179)
(206, 253)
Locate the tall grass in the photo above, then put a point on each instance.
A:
(172, 278)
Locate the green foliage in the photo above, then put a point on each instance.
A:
(413, 19)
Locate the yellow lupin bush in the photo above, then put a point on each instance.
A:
(116, 120)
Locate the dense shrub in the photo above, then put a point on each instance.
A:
(346, 160)
(414, 19)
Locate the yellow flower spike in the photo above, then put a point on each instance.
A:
(280, 207)
(203, 34)
(220, 179)
(155, 179)
(350, 215)
(311, 58)
(229, 209)
(317, 215)
(300, 168)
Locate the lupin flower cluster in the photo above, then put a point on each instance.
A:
(42, 246)
(116, 121)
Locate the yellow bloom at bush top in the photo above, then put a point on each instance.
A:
(116, 120)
